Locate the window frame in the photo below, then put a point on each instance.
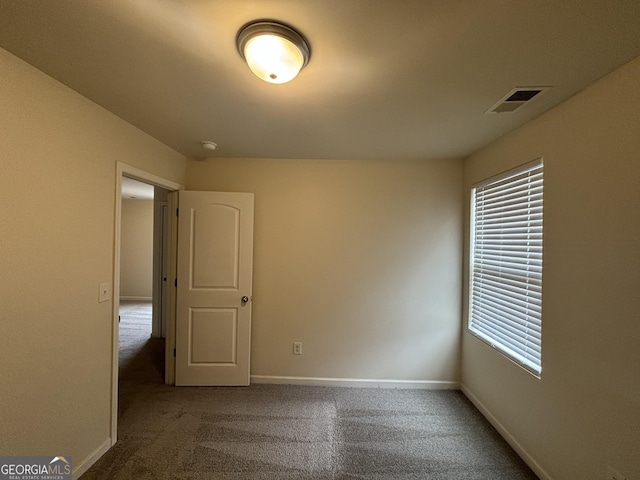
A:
(505, 284)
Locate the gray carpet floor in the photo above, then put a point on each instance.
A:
(292, 432)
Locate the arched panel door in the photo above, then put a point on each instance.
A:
(214, 278)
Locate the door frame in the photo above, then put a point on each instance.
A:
(160, 264)
(125, 170)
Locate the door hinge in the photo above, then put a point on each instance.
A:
(177, 212)
(174, 352)
(175, 282)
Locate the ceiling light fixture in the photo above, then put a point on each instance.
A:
(275, 52)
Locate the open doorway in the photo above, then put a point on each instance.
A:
(140, 308)
(143, 233)
(143, 249)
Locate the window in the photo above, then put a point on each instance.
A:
(505, 292)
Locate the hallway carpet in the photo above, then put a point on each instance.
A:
(296, 432)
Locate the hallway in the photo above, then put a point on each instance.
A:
(141, 358)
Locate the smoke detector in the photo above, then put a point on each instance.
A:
(208, 145)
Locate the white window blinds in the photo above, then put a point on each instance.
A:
(505, 304)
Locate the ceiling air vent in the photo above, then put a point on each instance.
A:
(515, 99)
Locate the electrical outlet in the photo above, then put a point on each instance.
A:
(614, 474)
(297, 348)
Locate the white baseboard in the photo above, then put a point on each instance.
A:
(356, 382)
(528, 459)
(86, 464)
(135, 299)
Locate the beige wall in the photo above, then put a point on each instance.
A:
(358, 260)
(136, 249)
(58, 154)
(584, 413)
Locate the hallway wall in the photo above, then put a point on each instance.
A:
(136, 249)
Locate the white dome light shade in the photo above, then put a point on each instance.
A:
(274, 52)
(272, 58)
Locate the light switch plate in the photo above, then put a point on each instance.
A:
(105, 292)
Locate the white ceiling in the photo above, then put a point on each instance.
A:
(401, 79)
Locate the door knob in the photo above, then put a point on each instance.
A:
(244, 299)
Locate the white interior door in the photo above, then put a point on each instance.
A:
(213, 298)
